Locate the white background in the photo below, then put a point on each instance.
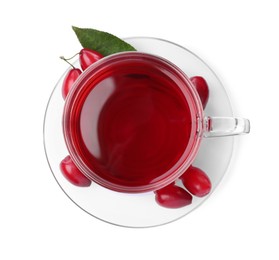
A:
(238, 39)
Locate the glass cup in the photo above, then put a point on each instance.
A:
(133, 122)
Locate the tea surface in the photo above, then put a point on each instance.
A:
(134, 126)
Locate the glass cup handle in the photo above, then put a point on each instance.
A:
(225, 126)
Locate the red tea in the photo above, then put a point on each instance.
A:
(133, 125)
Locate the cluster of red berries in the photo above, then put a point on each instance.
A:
(194, 180)
(86, 58)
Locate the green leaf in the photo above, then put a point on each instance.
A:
(102, 42)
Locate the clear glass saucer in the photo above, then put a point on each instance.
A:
(141, 210)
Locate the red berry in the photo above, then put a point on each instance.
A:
(88, 57)
(69, 80)
(72, 173)
(173, 196)
(196, 181)
(202, 88)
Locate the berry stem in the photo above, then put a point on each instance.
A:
(72, 56)
(63, 58)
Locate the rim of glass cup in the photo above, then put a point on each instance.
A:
(81, 88)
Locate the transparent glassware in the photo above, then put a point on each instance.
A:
(213, 155)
